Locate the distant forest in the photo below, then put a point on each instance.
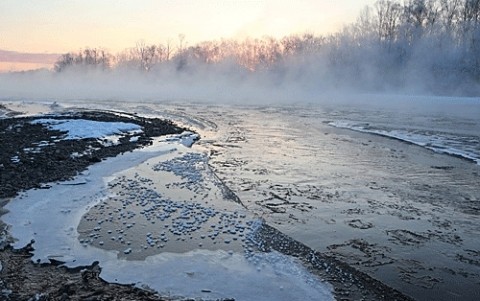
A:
(419, 45)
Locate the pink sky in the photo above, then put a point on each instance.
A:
(58, 26)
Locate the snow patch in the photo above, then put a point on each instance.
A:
(186, 138)
(134, 139)
(82, 129)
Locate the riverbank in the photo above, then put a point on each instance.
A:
(57, 165)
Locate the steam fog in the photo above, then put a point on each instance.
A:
(351, 147)
(420, 47)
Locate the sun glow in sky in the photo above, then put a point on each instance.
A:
(58, 26)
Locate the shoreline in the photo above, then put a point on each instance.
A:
(20, 277)
(366, 286)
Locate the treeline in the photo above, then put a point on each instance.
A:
(432, 42)
(250, 54)
(429, 45)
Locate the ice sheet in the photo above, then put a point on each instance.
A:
(465, 147)
(218, 274)
(50, 218)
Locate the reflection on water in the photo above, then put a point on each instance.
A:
(399, 212)
(168, 204)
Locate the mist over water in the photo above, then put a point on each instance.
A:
(217, 84)
(205, 86)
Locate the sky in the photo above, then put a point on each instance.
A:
(59, 26)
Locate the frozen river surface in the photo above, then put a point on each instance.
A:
(391, 190)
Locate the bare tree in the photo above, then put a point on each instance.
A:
(146, 55)
(388, 19)
(449, 13)
(88, 58)
(65, 61)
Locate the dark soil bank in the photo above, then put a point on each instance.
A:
(21, 169)
(22, 280)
